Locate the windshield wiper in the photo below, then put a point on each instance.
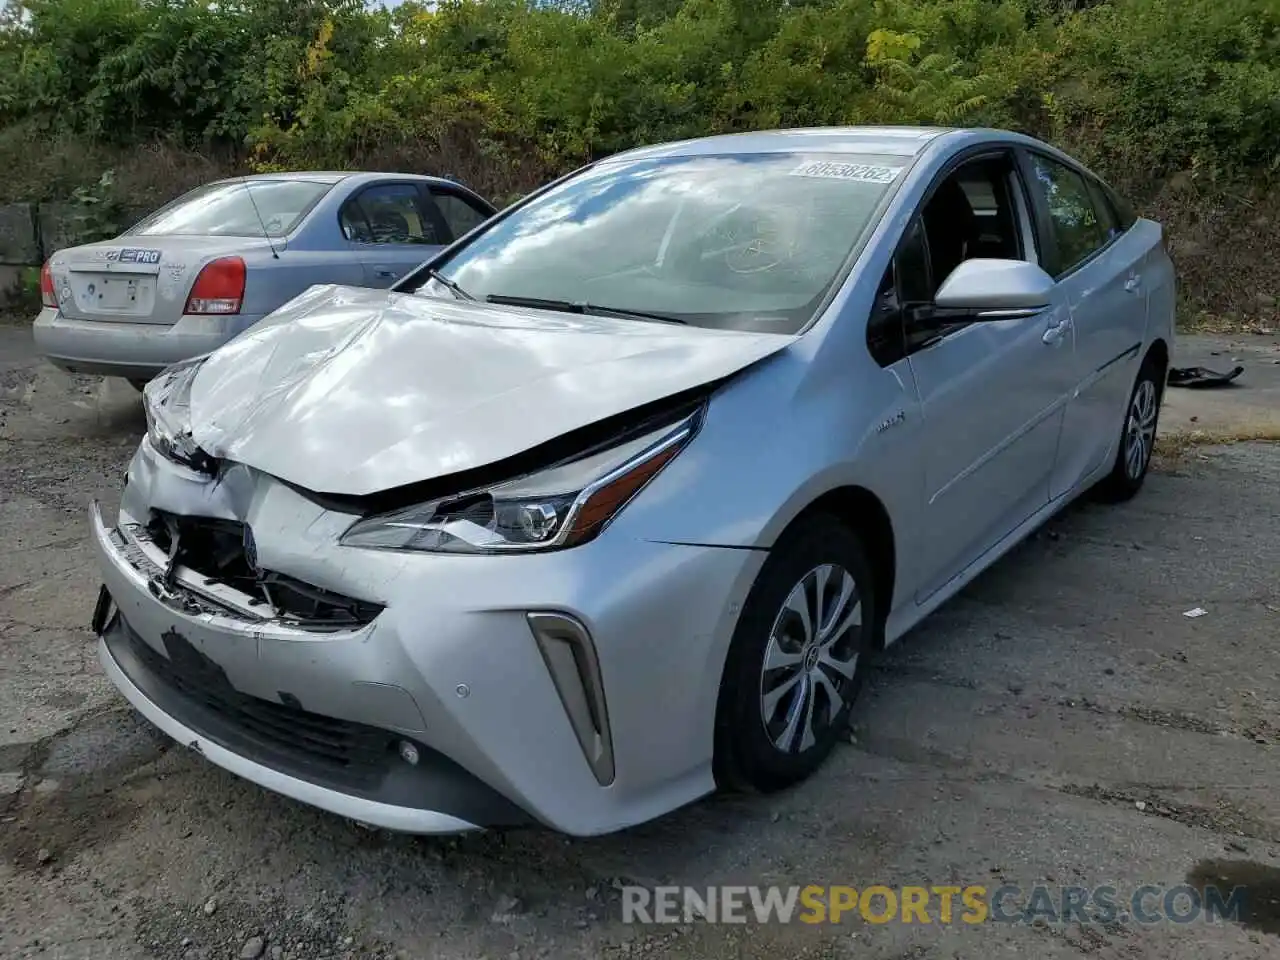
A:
(578, 306)
(444, 281)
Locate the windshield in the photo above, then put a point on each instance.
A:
(748, 242)
(227, 209)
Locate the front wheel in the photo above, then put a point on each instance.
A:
(1137, 436)
(797, 658)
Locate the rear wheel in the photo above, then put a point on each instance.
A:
(1137, 435)
(797, 658)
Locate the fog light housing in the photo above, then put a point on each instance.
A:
(570, 656)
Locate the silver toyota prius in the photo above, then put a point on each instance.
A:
(605, 505)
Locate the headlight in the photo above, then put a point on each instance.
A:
(563, 506)
(167, 401)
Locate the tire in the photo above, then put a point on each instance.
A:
(752, 754)
(1137, 431)
(139, 385)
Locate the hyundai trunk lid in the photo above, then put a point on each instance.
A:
(138, 279)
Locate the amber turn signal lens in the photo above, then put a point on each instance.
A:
(603, 504)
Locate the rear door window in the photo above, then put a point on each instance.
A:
(1078, 230)
(460, 213)
(388, 213)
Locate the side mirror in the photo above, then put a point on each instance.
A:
(996, 286)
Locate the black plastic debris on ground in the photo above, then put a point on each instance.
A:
(1202, 377)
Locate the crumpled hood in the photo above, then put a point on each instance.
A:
(353, 391)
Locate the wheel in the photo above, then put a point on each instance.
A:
(1137, 435)
(139, 385)
(796, 661)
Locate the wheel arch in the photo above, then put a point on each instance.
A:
(1158, 353)
(864, 513)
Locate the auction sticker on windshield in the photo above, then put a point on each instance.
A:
(857, 172)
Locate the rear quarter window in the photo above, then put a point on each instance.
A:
(1125, 214)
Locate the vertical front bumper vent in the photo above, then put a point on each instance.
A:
(570, 656)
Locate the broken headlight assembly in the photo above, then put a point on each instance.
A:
(562, 506)
(167, 402)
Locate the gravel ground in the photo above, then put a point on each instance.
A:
(1061, 722)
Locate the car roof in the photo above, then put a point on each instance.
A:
(893, 141)
(336, 176)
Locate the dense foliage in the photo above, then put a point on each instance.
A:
(507, 92)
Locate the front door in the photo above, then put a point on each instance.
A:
(992, 391)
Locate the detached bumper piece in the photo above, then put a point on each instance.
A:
(350, 769)
(1201, 377)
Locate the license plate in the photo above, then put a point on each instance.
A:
(115, 294)
(133, 255)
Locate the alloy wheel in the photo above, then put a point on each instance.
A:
(811, 658)
(1140, 429)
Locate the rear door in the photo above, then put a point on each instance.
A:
(1097, 263)
(992, 391)
(392, 229)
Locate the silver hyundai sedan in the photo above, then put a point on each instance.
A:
(604, 506)
(211, 263)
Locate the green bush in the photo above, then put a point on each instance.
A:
(1171, 85)
(504, 93)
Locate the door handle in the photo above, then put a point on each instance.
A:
(1057, 330)
(1133, 283)
(388, 273)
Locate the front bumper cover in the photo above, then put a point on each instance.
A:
(354, 770)
(454, 661)
(124, 670)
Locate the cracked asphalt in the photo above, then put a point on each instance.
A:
(1062, 722)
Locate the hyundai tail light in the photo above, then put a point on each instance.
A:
(47, 294)
(219, 287)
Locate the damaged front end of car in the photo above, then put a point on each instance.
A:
(362, 551)
(244, 614)
(166, 401)
(182, 522)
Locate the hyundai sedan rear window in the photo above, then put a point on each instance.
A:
(735, 241)
(238, 209)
